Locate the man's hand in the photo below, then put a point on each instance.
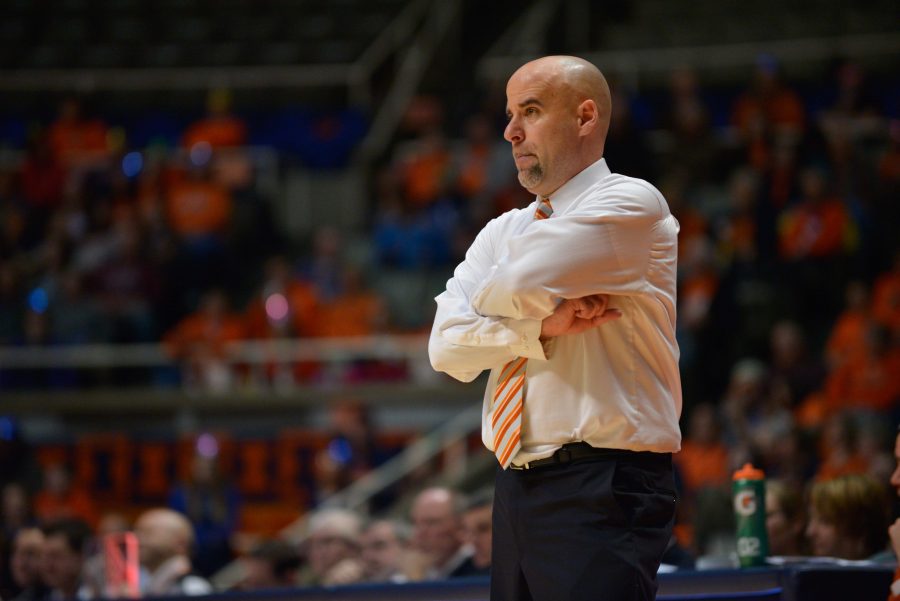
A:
(573, 316)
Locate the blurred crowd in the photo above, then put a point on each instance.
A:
(440, 534)
(444, 535)
(789, 300)
(785, 195)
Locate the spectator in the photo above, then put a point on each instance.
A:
(869, 380)
(165, 538)
(42, 183)
(386, 553)
(212, 505)
(15, 510)
(12, 303)
(272, 564)
(847, 337)
(220, 128)
(785, 519)
(425, 171)
(200, 342)
(437, 532)
(477, 533)
(351, 451)
(126, 287)
(199, 212)
(743, 399)
(480, 162)
(63, 557)
(795, 371)
(769, 104)
(75, 317)
(333, 548)
(284, 306)
(25, 564)
(324, 267)
(356, 310)
(848, 517)
(714, 540)
(703, 460)
(60, 498)
(886, 296)
(78, 142)
(894, 529)
(693, 149)
(818, 226)
(839, 448)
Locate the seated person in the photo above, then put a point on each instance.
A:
(848, 517)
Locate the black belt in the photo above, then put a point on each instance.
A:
(569, 452)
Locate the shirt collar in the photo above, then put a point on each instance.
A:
(566, 194)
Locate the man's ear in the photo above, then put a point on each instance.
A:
(587, 116)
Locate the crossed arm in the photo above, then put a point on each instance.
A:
(555, 280)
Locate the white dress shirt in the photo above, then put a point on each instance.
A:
(613, 386)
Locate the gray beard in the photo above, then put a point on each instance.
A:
(531, 177)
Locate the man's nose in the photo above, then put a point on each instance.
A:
(513, 132)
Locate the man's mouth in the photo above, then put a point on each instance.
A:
(524, 159)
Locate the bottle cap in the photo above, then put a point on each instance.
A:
(748, 472)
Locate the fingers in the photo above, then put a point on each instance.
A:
(588, 307)
(607, 316)
(573, 316)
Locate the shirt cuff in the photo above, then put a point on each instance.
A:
(895, 586)
(529, 344)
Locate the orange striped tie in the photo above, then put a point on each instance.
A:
(509, 395)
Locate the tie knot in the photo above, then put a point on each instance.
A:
(544, 209)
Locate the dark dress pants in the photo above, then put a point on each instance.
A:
(591, 529)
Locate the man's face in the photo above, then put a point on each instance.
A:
(25, 562)
(477, 532)
(60, 565)
(381, 551)
(823, 536)
(327, 549)
(155, 541)
(895, 477)
(257, 574)
(782, 533)
(436, 530)
(543, 130)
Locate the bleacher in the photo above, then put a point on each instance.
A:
(311, 79)
(104, 34)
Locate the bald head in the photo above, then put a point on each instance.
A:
(559, 110)
(163, 534)
(574, 77)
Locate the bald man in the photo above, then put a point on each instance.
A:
(570, 303)
(165, 538)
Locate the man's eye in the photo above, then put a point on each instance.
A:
(531, 111)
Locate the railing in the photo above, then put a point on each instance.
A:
(335, 356)
(355, 77)
(635, 63)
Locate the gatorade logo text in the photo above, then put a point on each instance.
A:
(745, 503)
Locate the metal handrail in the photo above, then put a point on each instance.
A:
(253, 352)
(636, 61)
